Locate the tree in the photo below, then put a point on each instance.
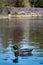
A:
(19, 3)
(2, 3)
(39, 3)
(31, 3)
(10, 2)
(36, 3)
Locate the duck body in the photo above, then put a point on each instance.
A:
(25, 51)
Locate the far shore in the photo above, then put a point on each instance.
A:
(19, 16)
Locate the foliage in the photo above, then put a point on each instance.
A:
(36, 3)
(2, 3)
(19, 3)
(31, 2)
(39, 3)
(15, 3)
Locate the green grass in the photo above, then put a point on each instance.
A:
(3, 14)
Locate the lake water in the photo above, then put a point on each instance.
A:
(24, 32)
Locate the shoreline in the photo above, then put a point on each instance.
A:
(19, 16)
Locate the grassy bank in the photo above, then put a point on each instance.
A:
(20, 16)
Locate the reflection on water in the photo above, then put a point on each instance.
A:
(15, 60)
(23, 32)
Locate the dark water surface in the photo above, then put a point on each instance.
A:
(25, 32)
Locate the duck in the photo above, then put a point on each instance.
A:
(24, 51)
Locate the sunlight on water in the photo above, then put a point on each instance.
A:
(25, 33)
